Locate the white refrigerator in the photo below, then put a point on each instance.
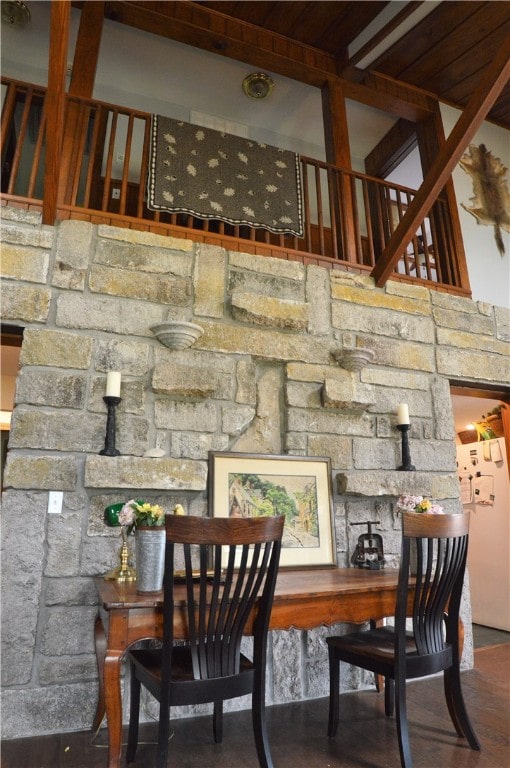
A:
(485, 491)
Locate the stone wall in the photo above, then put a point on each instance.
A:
(263, 378)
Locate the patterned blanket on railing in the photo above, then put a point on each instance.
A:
(215, 175)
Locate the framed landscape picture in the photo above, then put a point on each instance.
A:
(252, 485)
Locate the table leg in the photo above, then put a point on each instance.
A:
(100, 645)
(379, 679)
(113, 705)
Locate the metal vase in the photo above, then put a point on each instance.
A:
(150, 558)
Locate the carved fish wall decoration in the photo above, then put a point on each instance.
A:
(491, 203)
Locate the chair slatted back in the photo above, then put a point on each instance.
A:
(237, 563)
(441, 543)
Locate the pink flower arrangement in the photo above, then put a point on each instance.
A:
(418, 504)
(136, 513)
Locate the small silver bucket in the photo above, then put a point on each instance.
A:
(150, 558)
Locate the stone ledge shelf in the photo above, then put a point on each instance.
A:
(143, 473)
(395, 483)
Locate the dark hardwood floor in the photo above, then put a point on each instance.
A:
(366, 738)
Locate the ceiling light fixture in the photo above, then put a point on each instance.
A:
(15, 12)
(258, 85)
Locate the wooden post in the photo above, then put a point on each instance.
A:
(55, 102)
(82, 85)
(448, 245)
(336, 136)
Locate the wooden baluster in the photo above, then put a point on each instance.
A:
(37, 152)
(20, 140)
(109, 161)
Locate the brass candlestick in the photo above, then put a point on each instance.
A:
(123, 572)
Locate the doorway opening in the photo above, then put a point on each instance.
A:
(483, 469)
(11, 338)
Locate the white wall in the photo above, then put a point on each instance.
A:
(489, 533)
(489, 272)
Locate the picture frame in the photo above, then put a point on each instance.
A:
(248, 485)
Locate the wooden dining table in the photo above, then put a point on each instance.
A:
(304, 599)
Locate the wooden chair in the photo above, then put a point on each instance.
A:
(433, 643)
(238, 564)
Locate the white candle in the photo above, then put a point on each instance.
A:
(113, 384)
(403, 413)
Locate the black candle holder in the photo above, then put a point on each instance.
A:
(406, 454)
(109, 441)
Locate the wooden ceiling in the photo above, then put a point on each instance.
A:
(446, 53)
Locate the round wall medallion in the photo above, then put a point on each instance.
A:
(258, 85)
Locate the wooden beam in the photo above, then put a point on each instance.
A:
(55, 105)
(202, 27)
(476, 389)
(86, 52)
(374, 92)
(211, 30)
(491, 85)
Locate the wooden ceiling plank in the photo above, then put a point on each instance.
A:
(383, 33)
(462, 74)
(333, 31)
(418, 41)
(460, 42)
(287, 19)
(495, 78)
(343, 28)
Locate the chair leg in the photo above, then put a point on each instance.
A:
(334, 693)
(218, 722)
(457, 708)
(406, 760)
(389, 696)
(163, 735)
(134, 714)
(258, 718)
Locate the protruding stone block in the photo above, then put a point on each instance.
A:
(184, 380)
(269, 311)
(141, 473)
(347, 395)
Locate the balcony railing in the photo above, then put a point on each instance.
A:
(349, 217)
